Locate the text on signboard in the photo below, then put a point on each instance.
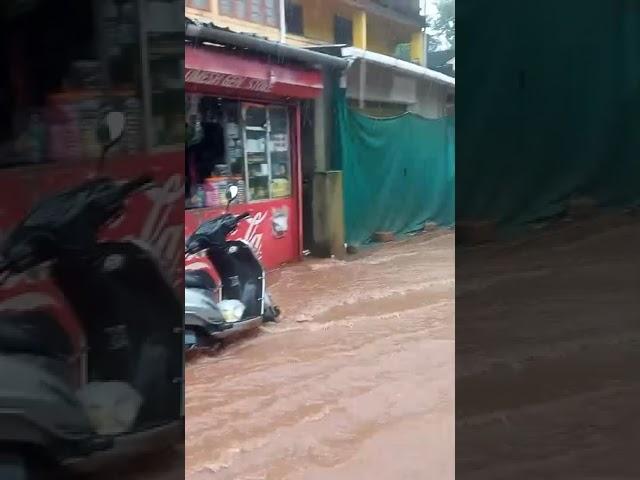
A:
(227, 80)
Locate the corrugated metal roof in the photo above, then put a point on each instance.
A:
(209, 24)
(207, 31)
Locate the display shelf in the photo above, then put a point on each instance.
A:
(274, 138)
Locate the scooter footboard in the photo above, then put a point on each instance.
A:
(195, 327)
(243, 277)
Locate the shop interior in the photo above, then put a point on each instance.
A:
(233, 142)
(69, 60)
(58, 78)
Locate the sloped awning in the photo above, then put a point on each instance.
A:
(399, 65)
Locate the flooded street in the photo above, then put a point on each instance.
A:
(547, 347)
(355, 382)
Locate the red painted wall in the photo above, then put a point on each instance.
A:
(262, 230)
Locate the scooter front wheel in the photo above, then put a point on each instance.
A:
(271, 312)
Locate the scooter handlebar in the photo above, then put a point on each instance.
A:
(242, 216)
(136, 184)
(37, 243)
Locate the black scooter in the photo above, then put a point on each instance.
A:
(214, 312)
(132, 322)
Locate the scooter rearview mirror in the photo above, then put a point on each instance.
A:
(110, 130)
(232, 194)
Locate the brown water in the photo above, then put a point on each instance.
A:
(547, 353)
(355, 382)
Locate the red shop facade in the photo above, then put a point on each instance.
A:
(243, 128)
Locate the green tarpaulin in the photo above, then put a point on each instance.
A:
(398, 173)
(549, 107)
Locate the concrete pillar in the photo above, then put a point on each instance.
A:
(320, 132)
(328, 215)
(359, 21)
(325, 224)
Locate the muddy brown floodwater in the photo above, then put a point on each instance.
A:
(355, 382)
(548, 345)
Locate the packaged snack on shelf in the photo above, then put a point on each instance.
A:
(212, 189)
(211, 193)
(280, 187)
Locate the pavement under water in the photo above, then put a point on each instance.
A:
(356, 380)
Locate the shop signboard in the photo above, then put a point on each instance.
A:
(207, 69)
(226, 80)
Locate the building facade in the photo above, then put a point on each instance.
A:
(383, 73)
(394, 29)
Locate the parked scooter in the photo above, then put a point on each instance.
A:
(214, 312)
(77, 408)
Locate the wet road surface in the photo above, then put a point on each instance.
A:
(547, 348)
(355, 382)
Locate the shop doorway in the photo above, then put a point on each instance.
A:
(212, 135)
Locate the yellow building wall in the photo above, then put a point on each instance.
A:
(318, 20)
(243, 26)
(382, 35)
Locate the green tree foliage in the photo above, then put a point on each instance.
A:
(443, 26)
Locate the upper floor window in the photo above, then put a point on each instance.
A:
(200, 4)
(294, 18)
(264, 12)
(343, 30)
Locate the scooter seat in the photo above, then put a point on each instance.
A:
(35, 333)
(199, 278)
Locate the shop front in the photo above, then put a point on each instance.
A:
(243, 128)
